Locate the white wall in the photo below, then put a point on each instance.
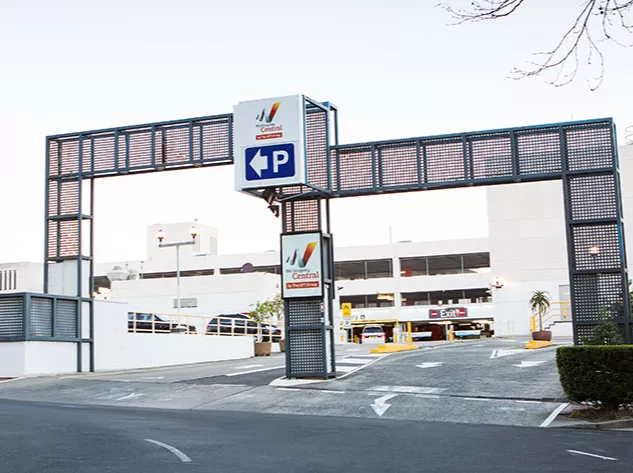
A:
(30, 276)
(116, 349)
(231, 293)
(527, 238)
(37, 358)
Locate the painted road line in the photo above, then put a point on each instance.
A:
(528, 402)
(256, 371)
(345, 369)
(554, 414)
(530, 364)
(12, 379)
(379, 405)
(183, 458)
(353, 361)
(517, 409)
(407, 389)
(288, 389)
(476, 399)
(429, 364)
(577, 452)
(427, 396)
(500, 353)
(330, 391)
(129, 396)
(246, 367)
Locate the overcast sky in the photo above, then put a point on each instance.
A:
(394, 68)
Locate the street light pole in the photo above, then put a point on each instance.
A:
(160, 235)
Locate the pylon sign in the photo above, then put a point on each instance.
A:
(270, 142)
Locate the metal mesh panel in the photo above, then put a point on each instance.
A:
(398, 164)
(128, 148)
(11, 316)
(583, 332)
(596, 295)
(63, 238)
(41, 317)
(63, 198)
(302, 216)
(445, 160)
(355, 168)
(305, 312)
(317, 148)
(592, 197)
(306, 352)
(589, 148)
(539, 152)
(491, 156)
(66, 319)
(604, 238)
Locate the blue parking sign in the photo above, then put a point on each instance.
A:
(270, 162)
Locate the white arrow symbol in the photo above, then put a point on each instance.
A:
(501, 353)
(259, 163)
(379, 405)
(529, 364)
(430, 364)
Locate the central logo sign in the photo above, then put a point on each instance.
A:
(270, 143)
(301, 265)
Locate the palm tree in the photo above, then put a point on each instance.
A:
(539, 303)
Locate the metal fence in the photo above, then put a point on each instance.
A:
(38, 317)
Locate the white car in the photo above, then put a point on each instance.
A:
(373, 334)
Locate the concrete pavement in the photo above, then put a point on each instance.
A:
(67, 439)
(476, 382)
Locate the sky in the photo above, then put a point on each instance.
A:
(396, 68)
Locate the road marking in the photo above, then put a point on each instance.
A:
(153, 377)
(406, 389)
(12, 379)
(129, 396)
(553, 415)
(353, 361)
(529, 364)
(379, 405)
(529, 402)
(345, 369)
(430, 364)
(246, 367)
(428, 396)
(288, 389)
(353, 349)
(476, 399)
(500, 353)
(518, 409)
(593, 455)
(331, 391)
(256, 371)
(183, 458)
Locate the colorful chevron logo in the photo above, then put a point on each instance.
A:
(307, 253)
(268, 116)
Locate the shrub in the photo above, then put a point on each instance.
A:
(601, 375)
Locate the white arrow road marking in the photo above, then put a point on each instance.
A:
(430, 364)
(379, 405)
(259, 163)
(529, 364)
(592, 455)
(183, 458)
(502, 352)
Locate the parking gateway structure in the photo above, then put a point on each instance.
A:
(582, 154)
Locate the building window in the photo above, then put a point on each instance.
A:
(369, 301)
(256, 269)
(450, 297)
(445, 264)
(370, 269)
(186, 303)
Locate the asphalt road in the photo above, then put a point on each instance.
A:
(471, 382)
(41, 438)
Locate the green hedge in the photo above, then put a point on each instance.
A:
(597, 374)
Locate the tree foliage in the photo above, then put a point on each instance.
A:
(271, 310)
(606, 332)
(539, 304)
(592, 24)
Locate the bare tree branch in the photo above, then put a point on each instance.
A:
(596, 22)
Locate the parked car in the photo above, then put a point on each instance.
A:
(373, 334)
(146, 323)
(241, 324)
